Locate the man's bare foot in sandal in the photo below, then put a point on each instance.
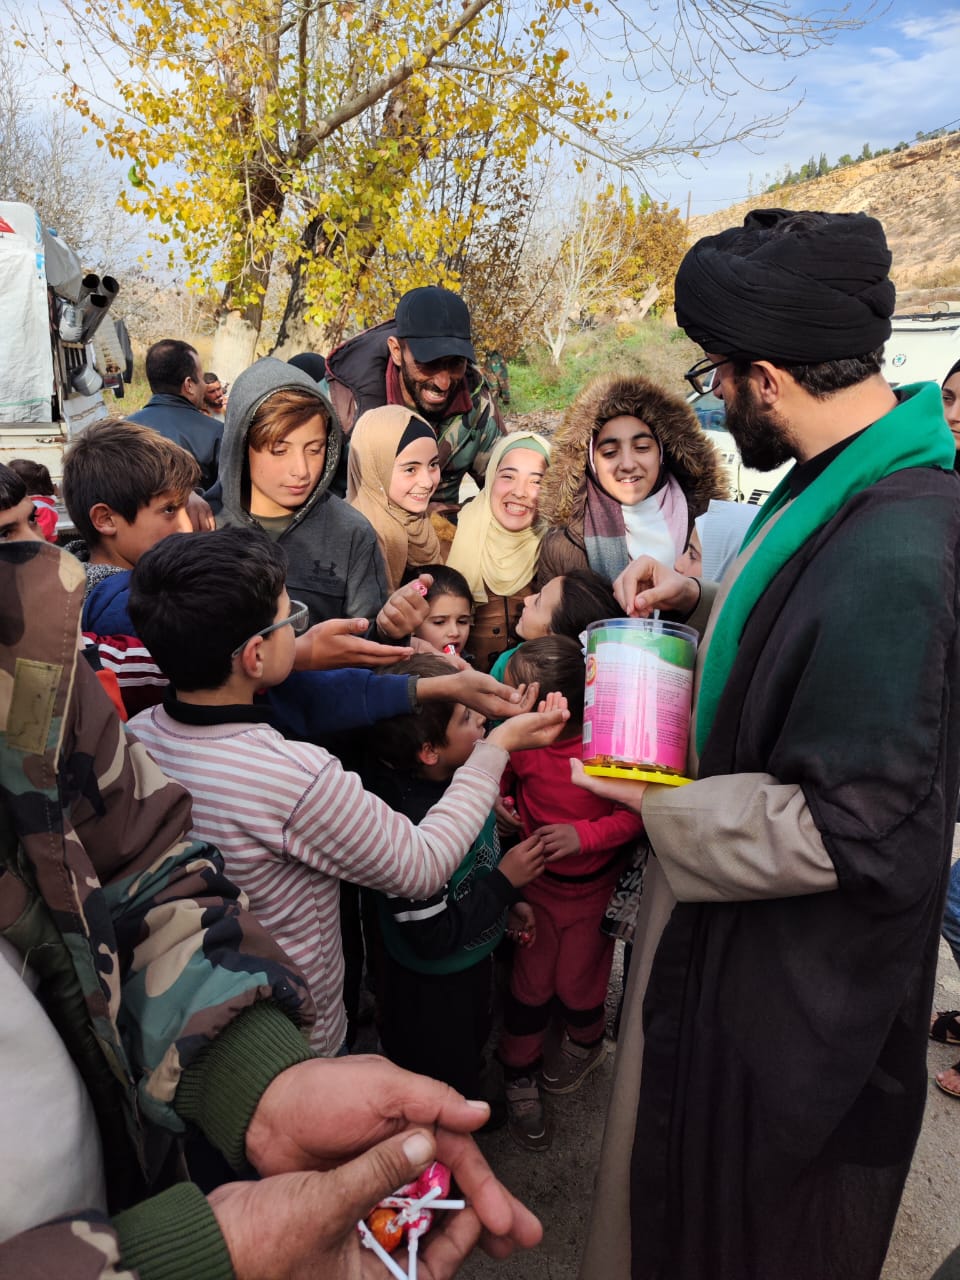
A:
(949, 1080)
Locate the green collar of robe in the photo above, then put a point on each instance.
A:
(914, 434)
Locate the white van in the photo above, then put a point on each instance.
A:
(921, 348)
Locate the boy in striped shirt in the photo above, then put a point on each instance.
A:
(291, 823)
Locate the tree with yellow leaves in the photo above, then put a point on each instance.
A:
(303, 131)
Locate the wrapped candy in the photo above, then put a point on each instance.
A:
(409, 1210)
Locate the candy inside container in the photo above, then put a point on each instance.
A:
(409, 1211)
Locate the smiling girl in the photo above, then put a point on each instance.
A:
(497, 542)
(393, 472)
(632, 468)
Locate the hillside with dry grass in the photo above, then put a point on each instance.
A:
(915, 194)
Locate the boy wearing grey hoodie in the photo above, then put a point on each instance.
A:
(281, 445)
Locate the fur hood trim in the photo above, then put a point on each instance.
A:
(688, 450)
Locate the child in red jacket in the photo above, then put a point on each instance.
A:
(566, 969)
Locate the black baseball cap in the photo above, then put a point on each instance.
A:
(434, 323)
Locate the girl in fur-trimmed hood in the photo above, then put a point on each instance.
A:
(631, 469)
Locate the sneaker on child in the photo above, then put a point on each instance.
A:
(527, 1121)
(572, 1064)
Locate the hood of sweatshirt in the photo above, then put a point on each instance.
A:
(687, 449)
(249, 391)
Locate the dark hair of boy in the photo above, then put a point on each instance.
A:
(169, 362)
(123, 465)
(13, 491)
(556, 662)
(34, 475)
(396, 742)
(584, 598)
(196, 597)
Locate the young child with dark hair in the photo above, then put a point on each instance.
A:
(567, 968)
(18, 519)
(448, 623)
(213, 610)
(435, 994)
(564, 606)
(42, 493)
(125, 487)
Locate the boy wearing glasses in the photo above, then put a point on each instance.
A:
(291, 823)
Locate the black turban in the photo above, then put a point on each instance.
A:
(820, 291)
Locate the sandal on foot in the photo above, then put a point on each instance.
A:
(954, 1093)
(945, 1027)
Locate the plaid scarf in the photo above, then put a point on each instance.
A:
(605, 532)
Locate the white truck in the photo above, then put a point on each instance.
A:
(56, 355)
(921, 348)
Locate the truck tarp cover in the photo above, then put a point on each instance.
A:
(25, 355)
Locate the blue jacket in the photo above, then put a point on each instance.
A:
(185, 425)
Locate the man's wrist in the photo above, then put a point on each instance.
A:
(220, 1091)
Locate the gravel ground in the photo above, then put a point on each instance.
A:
(557, 1184)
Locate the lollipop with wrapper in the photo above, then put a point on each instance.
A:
(409, 1211)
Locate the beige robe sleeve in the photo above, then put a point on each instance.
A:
(737, 837)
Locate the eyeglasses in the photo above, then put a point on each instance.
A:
(700, 376)
(297, 618)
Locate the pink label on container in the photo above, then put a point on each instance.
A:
(637, 704)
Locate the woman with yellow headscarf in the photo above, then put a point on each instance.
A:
(497, 542)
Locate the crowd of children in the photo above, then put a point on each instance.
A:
(242, 655)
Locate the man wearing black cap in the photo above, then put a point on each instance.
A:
(422, 358)
(788, 938)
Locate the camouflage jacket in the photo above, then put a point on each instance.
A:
(149, 965)
(357, 380)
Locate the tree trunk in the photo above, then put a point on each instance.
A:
(238, 326)
(296, 333)
(234, 344)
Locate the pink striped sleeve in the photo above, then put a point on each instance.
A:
(347, 832)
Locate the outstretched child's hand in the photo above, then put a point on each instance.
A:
(342, 642)
(560, 840)
(522, 924)
(524, 862)
(478, 691)
(535, 729)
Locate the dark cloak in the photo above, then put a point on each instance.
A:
(784, 1072)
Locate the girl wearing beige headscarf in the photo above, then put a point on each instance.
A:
(392, 474)
(497, 542)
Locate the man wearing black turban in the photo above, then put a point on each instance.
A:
(788, 932)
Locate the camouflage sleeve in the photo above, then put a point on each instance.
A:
(189, 956)
(166, 1237)
(491, 426)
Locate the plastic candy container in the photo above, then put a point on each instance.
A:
(639, 688)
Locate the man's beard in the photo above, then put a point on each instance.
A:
(760, 434)
(412, 388)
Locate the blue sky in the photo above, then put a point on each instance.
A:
(880, 84)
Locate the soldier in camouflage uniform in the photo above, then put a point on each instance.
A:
(423, 359)
(177, 1009)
